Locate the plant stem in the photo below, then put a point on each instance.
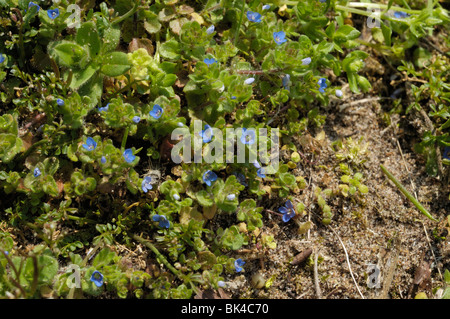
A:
(157, 253)
(381, 6)
(236, 35)
(124, 139)
(126, 15)
(407, 194)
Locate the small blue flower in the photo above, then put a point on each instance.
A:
(286, 80)
(323, 85)
(176, 197)
(97, 278)
(103, 160)
(6, 252)
(254, 16)
(287, 210)
(233, 97)
(447, 152)
(156, 112)
(60, 102)
(323, 1)
(53, 14)
(400, 15)
(240, 178)
(266, 7)
(221, 283)
(248, 136)
(207, 134)
(279, 37)
(238, 263)
(2, 58)
(128, 155)
(338, 93)
(90, 144)
(209, 177)
(249, 81)
(209, 61)
(103, 109)
(231, 196)
(32, 4)
(306, 61)
(37, 172)
(136, 119)
(260, 171)
(146, 184)
(162, 220)
(210, 30)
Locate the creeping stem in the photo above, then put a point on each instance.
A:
(407, 194)
(126, 15)
(236, 35)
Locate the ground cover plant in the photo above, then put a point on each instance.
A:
(224, 149)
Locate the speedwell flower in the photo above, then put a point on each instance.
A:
(37, 172)
(90, 144)
(2, 58)
(253, 16)
(238, 264)
(207, 134)
(339, 93)
(260, 171)
(162, 220)
(266, 7)
(400, 15)
(279, 37)
(323, 85)
(231, 196)
(209, 61)
(103, 109)
(136, 119)
(97, 278)
(32, 4)
(103, 160)
(248, 136)
(146, 184)
(60, 102)
(306, 61)
(128, 155)
(447, 152)
(240, 178)
(53, 14)
(156, 112)
(287, 210)
(249, 81)
(210, 30)
(285, 81)
(209, 177)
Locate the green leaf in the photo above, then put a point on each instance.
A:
(170, 50)
(70, 54)
(87, 35)
(104, 258)
(82, 76)
(115, 64)
(387, 32)
(111, 39)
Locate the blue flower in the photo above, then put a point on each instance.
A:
(103, 160)
(233, 97)
(2, 58)
(323, 85)
(306, 61)
(146, 184)
(53, 14)
(339, 93)
(209, 177)
(176, 197)
(156, 112)
(447, 152)
(162, 220)
(37, 172)
(248, 136)
(32, 4)
(249, 81)
(266, 7)
(323, 1)
(207, 134)
(221, 283)
(97, 278)
(287, 210)
(231, 196)
(103, 109)
(90, 144)
(400, 15)
(260, 171)
(253, 16)
(240, 178)
(60, 102)
(286, 80)
(238, 263)
(210, 30)
(209, 61)
(128, 155)
(136, 119)
(279, 37)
